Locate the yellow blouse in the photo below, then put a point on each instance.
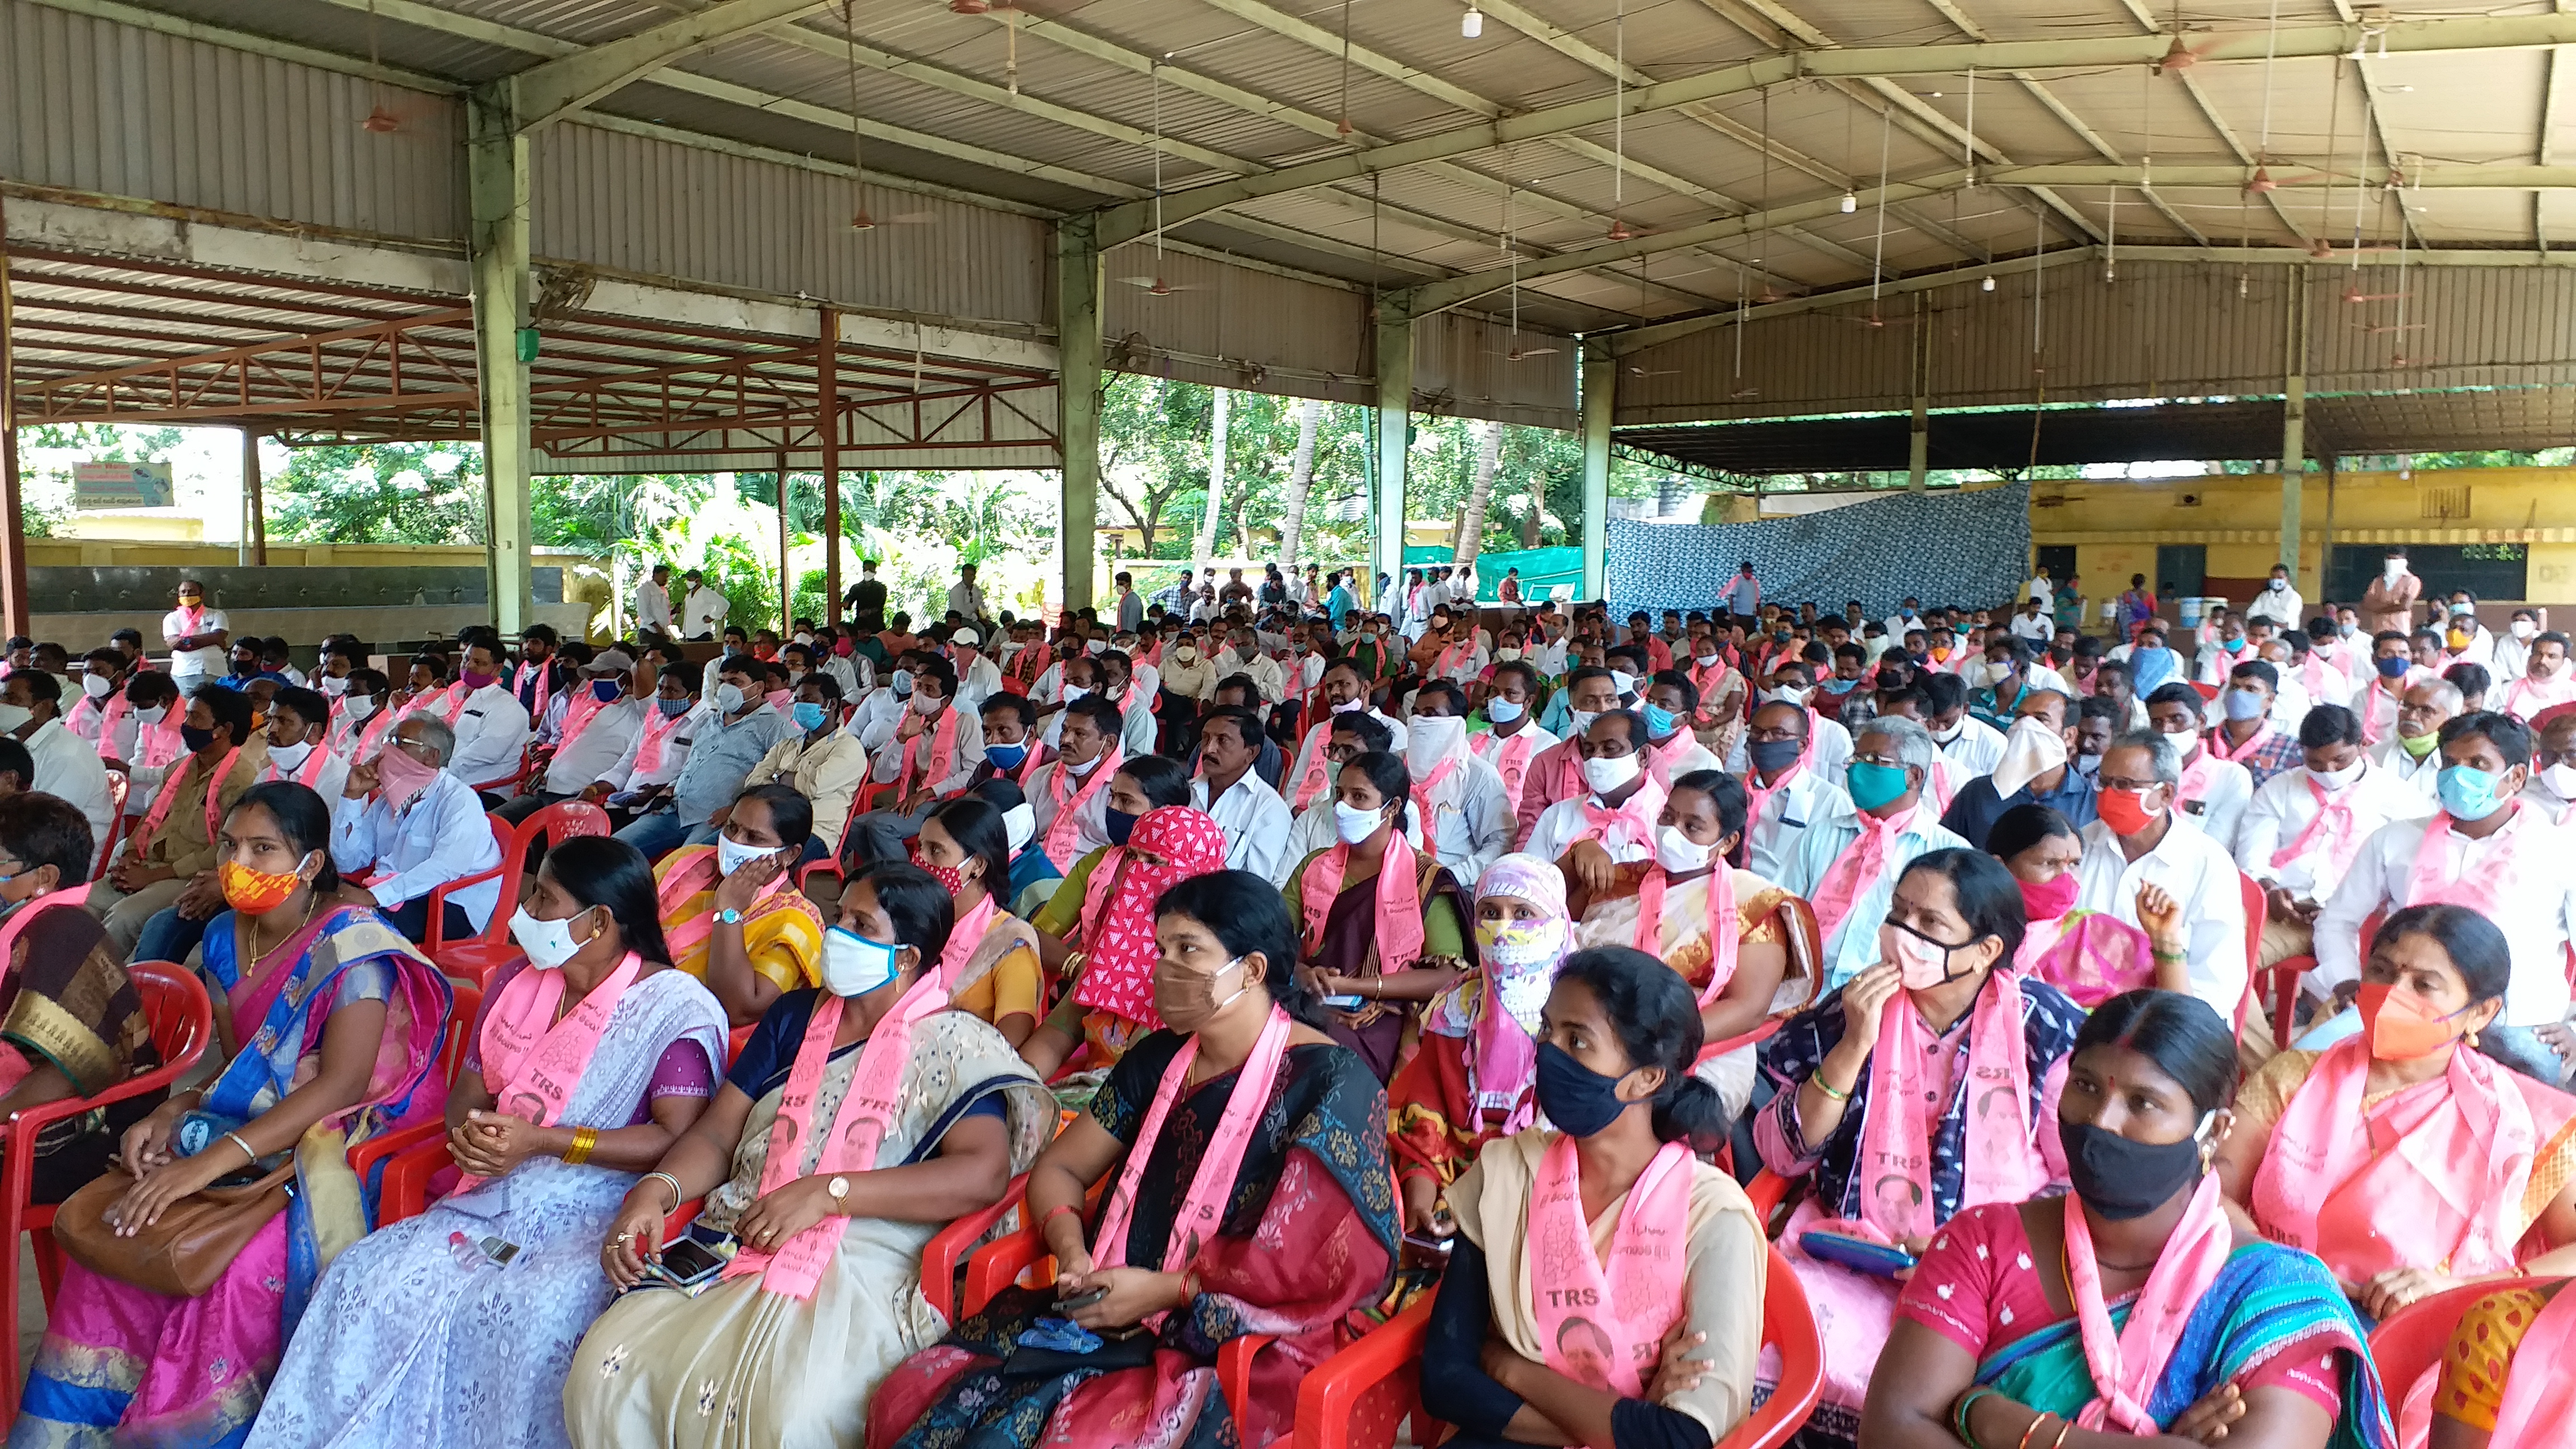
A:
(2480, 1357)
(1010, 988)
(782, 936)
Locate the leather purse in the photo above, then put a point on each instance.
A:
(182, 1255)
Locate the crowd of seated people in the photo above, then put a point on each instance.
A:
(1536, 983)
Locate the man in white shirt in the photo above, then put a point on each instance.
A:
(299, 727)
(2412, 750)
(2511, 658)
(2305, 826)
(2496, 855)
(1120, 685)
(2553, 768)
(1245, 656)
(596, 727)
(2211, 791)
(67, 766)
(1975, 746)
(2139, 840)
(2033, 623)
(1309, 776)
(1848, 863)
(425, 829)
(702, 609)
(966, 597)
(1514, 739)
(1784, 790)
(492, 729)
(978, 678)
(1459, 797)
(1828, 744)
(665, 729)
(1069, 795)
(198, 638)
(2547, 679)
(1255, 818)
(653, 602)
(2279, 601)
(104, 673)
(1618, 805)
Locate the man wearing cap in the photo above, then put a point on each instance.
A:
(599, 721)
(703, 610)
(978, 678)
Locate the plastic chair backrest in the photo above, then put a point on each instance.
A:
(176, 1006)
(1788, 1325)
(2413, 1339)
(460, 1031)
(563, 820)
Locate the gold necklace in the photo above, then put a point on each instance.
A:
(259, 952)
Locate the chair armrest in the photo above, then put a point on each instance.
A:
(2284, 994)
(1329, 1397)
(998, 1265)
(1769, 1190)
(939, 1260)
(438, 902)
(406, 1188)
(678, 1219)
(31, 1120)
(1234, 1371)
(805, 873)
(364, 1157)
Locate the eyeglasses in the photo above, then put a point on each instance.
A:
(2115, 782)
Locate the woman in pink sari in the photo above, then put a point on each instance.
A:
(330, 1021)
(2402, 1156)
(2092, 956)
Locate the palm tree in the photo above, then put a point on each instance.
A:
(1301, 476)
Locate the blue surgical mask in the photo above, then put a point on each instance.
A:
(1874, 786)
(1659, 722)
(808, 715)
(2244, 704)
(1006, 757)
(1119, 824)
(604, 690)
(1501, 711)
(674, 708)
(902, 682)
(2468, 794)
(2232, 646)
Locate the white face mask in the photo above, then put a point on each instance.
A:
(2277, 585)
(729, 698)
(1708, 661)
(1352, 824)
(1993, 673)
(1787, 694)
(1677, 852)
(332, 687)
(1348, 706)
(1073, 692)
(2523, 628)
(151, 714)
(12, 716)
(1432, 739)
(1582, 725)
(2561, 780)
(1623, 682)
(96, 686)
(2393, 570)
(1020, 824)
(290, 758)
(359, 708)
(2337, 780)
(549, 944)
(732, 855)
(853, 965)
(1501, 711)
(1507, 653)
(925, 705)
(1606, 773)
(1945, 736)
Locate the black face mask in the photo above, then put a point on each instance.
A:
(194, 738)
(245, 668)
(1771, 756)
(2121, 1179)
(1575, 1098)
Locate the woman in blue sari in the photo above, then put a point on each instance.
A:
(588, 1062)
(2134, 1307)
(328, 1021)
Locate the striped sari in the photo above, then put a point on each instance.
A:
(782, 933)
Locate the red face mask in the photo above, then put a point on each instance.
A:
(2399, 1026)
(2049, 901)
(950, 878)
(2125, 811)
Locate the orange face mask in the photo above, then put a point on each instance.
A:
(2399, 1026)
(255, 892)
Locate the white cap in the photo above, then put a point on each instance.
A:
(967, 637)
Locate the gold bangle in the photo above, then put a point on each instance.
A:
(583, 1140)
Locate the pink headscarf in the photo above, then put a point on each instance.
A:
(1118, 906)
(1502, 1056)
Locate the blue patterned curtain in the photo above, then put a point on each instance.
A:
(1943, 548)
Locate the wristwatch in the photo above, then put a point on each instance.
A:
(839, 1188)
(729, 916)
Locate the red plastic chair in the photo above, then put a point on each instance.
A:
(475, 960)
(118, 788)
(1356, 1399)
(183, 1021)
(941, 1260)
(2411, 1343)
(412, 1154)
(2284, 977)
(2249, 892)
(831, 864)
(508, 784)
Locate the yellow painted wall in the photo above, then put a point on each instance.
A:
(2115, 525)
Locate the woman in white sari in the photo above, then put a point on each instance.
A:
(895, 1116)
(587, 1063)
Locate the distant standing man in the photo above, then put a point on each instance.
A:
(868, 595)
(653, 602)
(1744, 593)
(1131, 605)
(2388, 605)
(200, 646)
(704, 609)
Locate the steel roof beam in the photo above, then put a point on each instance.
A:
(567, 83)
(1125, 221)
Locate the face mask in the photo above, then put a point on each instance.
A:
(1501, 711)
(1945, 734)
(1073, 692)
(1582, 722)
(2051, 900)
(2245, 704)
(12, 716)
(2395, 666)
(804, 638)
(2088, 765)
(1607, 773)
(901, 679)
(673, 708)
(1874, 786)
(732, 855)
(2125, 811)
(1773, 756)
(926, 705)
(2561, 780)
(1575, 1098)
(1353, 824)
(2232, 646)
(96, 686)
(195, 739)
(2347, 630)
(1708, 661)
(853, 965)
(2523, 628)
(1118, 824)
(1096, 646)
(1659, 721)
(2463, 607)
(2121, 1179)
(951, 878)
(1019, 825)
(2277, 585)
(2335, 780)
(1520, 943)
(1624, 682)
(729, 698)
(290, 758)
(1508, 653)
(2468, 794)
(2393, 570)
(549, 944)
(245, 668)
(1004, 757)
(1921, 962)
(2399, 1026)
(1188, 1001)
(256, 892)
(2458, 637)
(809, 716)
(1788, 694)
(1186, 653)
(1678, 853)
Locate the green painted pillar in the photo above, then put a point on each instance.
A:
(1394, 432)
(1600, 395)
(1078, 384)
(504, 343)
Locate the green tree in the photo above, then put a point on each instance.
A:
(380, 493)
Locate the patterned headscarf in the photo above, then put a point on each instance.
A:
(1496, 1007)
(1118, 906)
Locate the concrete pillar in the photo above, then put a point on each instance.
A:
(504, 342)
(1918, 439)
(1394, 436)
(786, 570)
(1078, 384)
(827, 409)
(13, 510)
(2294, 429)
(1600, 395)
(254, 543)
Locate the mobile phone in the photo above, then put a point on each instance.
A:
(1346, 1003)
(1878, 1259)
(1440, 1246)
(1081, 1300)
(686, 1263)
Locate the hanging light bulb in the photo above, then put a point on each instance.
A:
(1472, 24)
(1851, 202)
(1987, 285)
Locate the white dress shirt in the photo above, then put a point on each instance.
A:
(68, 767)
(491, 733)
(609, 737)
(652, 607)
(441, 836)
(2535, 915)
(626, 774)
(2512, 656)
(1471, 820)
(706, 610)
(1978, 748)
(889, 756)
(966, 599)
(1268, 679)
(2222, 799)
(981, 681)
(2038, 628)
(2284, 807)
(1853, 945)
(2196, 870)
(327, 782)
(189, 667)
(2282, 606)
(1785, 816)
(2421, 776)
(1256, 826)
(1562, 824)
